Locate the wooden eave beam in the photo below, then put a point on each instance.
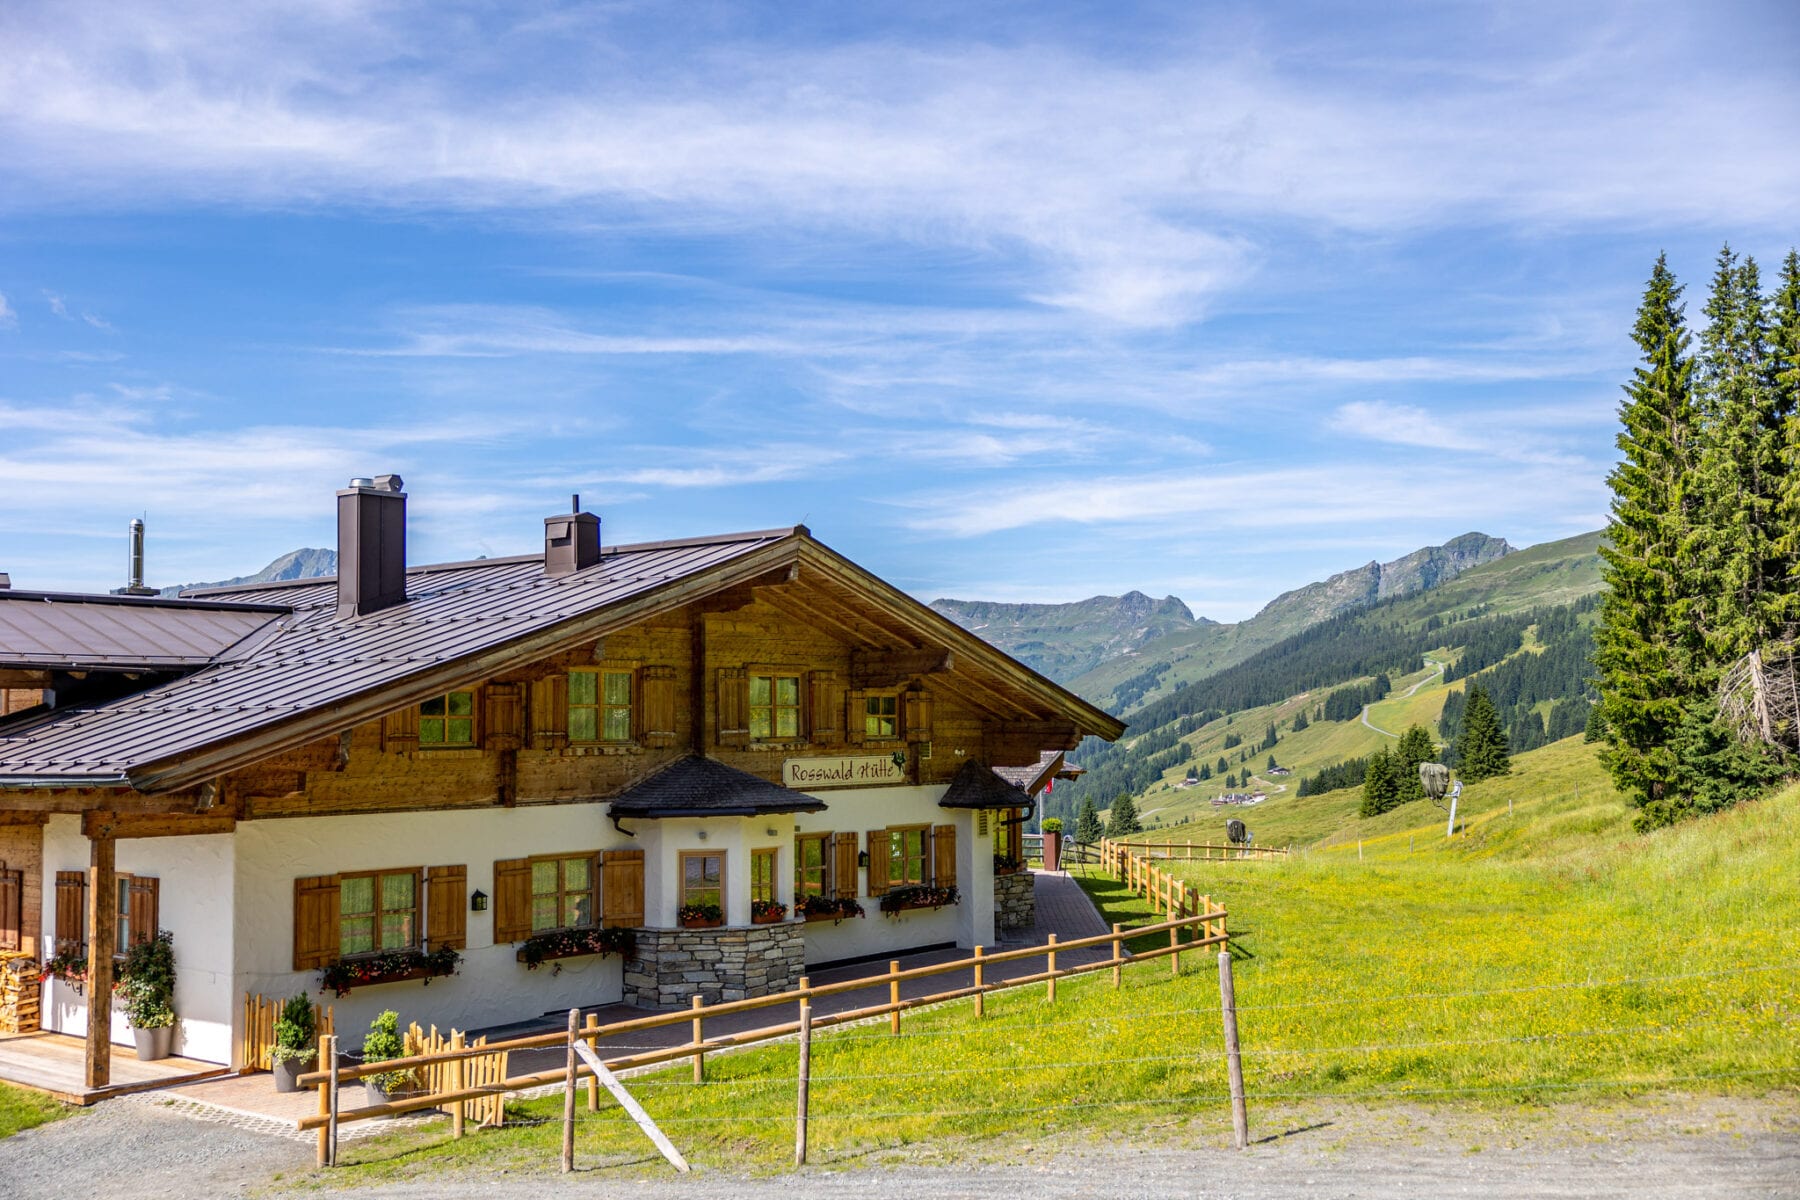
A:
(13, 677)
(194, 765)
(149, 825)
(890, 668)
(40, 802)
(822, 590)
(980, 697)
(824, 622)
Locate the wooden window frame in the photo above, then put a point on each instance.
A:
(633, 706)
(592, 858)
(12, 915)
(883, 696)
(683, 856)
(474, 695)
(773, 672)
(802, 891)
(757, 854)
(375, 915)
(894, 879)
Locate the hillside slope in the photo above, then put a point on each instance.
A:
(1066, 640)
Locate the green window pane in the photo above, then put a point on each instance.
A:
(462, 731)
(576, 874)
(618, 687)
(431, 731)
(396, 931)
(357, 935)
(575, 911)
(397, 890)
(787, 723)
(462, 704)
(584, 725)
(543, 879)
(618, 724)
(759, 723)
(432, 708)
(356, 895)
(543, 913)
(759, 689)
(582, 688)
(787, 689)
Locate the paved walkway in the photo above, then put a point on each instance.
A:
(250, 1102)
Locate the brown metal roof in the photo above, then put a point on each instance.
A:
(312, 661)
(56, 632)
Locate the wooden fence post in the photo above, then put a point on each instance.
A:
(980, 996)
(457, 1075)
(592, 1034)
(324, 1151)
(805, 1083)
(331, 1150)
(1234, 1064)
(568, 1141)
(699, 1037)
(1175, 953)
(894, 996)
(1118, 946)
(1050, 984)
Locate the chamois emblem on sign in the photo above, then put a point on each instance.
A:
(899, 760)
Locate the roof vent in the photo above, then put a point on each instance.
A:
(371, 545)
(5, 581)
(572, 541)
(134, 563)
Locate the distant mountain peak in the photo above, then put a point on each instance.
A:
(309, 562)
(1362, 586)
(1064, 640)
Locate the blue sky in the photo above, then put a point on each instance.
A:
(1012, 301)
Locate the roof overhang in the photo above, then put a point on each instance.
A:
(704, 787)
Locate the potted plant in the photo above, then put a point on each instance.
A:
(1052, 843)
(828, 908)
(700, 916)
(381, 1043)
(296, 1042)
(555, 944)
(147, 986)
(767, 912)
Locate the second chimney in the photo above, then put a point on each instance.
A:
(371, 566)
(571, 542)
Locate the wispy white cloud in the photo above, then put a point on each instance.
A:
(57, 306)
(9, 319)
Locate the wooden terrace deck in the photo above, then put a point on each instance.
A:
(55, 1063)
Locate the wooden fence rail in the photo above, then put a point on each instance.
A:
(1205, 920)
(259, 1029)
(1203, 851)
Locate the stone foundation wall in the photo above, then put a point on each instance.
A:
(1015, 903)
(669, 966)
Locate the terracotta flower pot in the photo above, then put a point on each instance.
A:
(1053, 850)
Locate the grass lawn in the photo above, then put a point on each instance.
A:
(1546, 956)
(22, 1109)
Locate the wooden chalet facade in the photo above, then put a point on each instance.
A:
(366, 781)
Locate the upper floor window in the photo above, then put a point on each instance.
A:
(599, 706)
(448, 720)
(881, 715)
(774, 707)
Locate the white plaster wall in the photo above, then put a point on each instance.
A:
(194, 899)
(968, 924)
(492, 987)
(737, 838)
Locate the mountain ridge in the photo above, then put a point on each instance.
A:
(308, 562)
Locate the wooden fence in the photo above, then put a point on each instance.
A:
(259, 1029)
(1192, 851)
(1203, 926)
(456, 1073)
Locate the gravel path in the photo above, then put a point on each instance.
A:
(1713, 1148)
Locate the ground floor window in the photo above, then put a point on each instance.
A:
(812, 866)
(906, 855)
(762, 874)
(702, 878)
(378, 911)
(562, 892)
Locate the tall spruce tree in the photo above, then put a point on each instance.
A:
(1481, 749)
(1416, 746)
(1123, 821)
(1087, 824)
(1639, 645)
(1784, 380)
(1381, 786)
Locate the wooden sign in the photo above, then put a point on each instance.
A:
(850, 770)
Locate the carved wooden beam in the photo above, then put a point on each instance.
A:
(148, 825)
(14, 678)
(890, 668)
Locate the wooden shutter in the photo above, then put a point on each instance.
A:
(315, 922)
(656, 706)
(71, 912)
(880, 848)
(142, 907)
(943, 856)
(855, 709)
(505, 724)
(843, 866)
(550, 713)
(12, 909)
(918, 716)
(447, 907)
(512, 900)
(622, 887)
(734, 706)
(400, 730)
(826, 709)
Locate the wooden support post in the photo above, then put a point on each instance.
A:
(331, 1088)
(1050, 984)
(1234, 1063)
(1175, 955)
(102, 923)
(805, 1084)
(1118, 946)
(592, 1037)
(699, 1038)
(980, 982)
(568, 1141)
(323, 1156)
(894, 996)
(458, 1078)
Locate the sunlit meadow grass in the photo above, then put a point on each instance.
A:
(22, 1109)
(1554, 957)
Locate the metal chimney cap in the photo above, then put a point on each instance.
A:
(389, 483)
(361, 481)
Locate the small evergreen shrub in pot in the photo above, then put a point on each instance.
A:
(1052, 828)
(382, 1042)
(296, 1043)
(147, 986)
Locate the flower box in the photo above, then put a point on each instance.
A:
(572, 943)
(815, 908)
(915, 896)
(767, 912)
(700, 916)
(396, 967)
(702, 922)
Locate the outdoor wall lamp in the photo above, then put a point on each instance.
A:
(862, 858)
(478, 902)
(701, 834)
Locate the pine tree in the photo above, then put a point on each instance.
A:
(1205, 771)
(1223, 765)
(1271, 762)
(1481, 749)
(1638, 646)
(1784, 381)
(1416, 746)
(1122, 821)
(1596, 726)
(1269, 738)
(1300, 720)
(1087, 824)
(1381, 789)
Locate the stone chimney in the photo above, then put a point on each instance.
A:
(571, 542)
(371, 566)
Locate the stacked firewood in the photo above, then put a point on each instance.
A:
(18, 992)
